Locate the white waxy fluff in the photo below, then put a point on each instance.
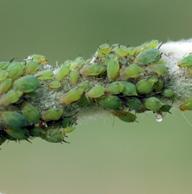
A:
(172, 53)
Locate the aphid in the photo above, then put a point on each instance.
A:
(186, 62)
(121, 51)
(92, 70)
(15, 124)
(132, 71)
(103, 50)
(3, 75)
(31, 67)
(186, 105)
(69, 129)
(148, 56)
(55, 84)
(52, 114)
(5, 86)
(15, 70)
(72, 95)
(77, 63)
(144, 86)
(10, 97)
(63, 71)
(26, 84)
(31, 113)
(135, 104)
(113, 68)
(165, 108)
(125, 116)
(40, 59)
(160, 69)
(74, 77)
(54, 135)
(110, 102)
(96, 92)
(44, 75)
(169, 93)
(129, 89)
(153, 104)
(4, 65)
(115, 87)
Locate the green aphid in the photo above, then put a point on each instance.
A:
(26, 84)
(144, 86)
(37, 132)
(68, 121)
(15, 70)
(186, 105)
(158, 86)
(4, 65)
(110, 102)
(14, 124)
(31, 67)
(69, 129)
(186, 62)
(168, 93)
(132, 71)
(153, 104)
(148, 56)
(44, 75)
(135, 104)
(52, 114)
(125, 116)
(5, 86)
(54, 135)
(121, 51)
(92, 70)
(96, 92)
(113, 68)
(74, 77)
(115, 87)
(104, 50)
(55, 84)
(160, 69)
(40, 59)
(129, 89)
(3, 75)
(63, 71)
(12, 96)
(72, 95)
(77, 63)
(31, 113)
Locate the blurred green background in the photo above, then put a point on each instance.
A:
(105, 156)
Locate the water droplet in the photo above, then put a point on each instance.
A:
(158, 117)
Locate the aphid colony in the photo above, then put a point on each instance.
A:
(123, 80)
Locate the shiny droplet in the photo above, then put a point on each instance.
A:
(158, 117)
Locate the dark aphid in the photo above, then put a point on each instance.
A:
(15, 70)
(135, 104)
(148, 56)
(5, 86)
(168, 93)
(40, 59)
(26, 84)
(55, 84)
(186, 62)
(129, 89)
(72, 96)
(132, 71)
(96, 92)
(31, 113)
(186, 105)
(10, 97)
(153, 104)
(54, 135)
(44, 75)
(144, 86)
(113, 68)
(116, 87)
(3, 75)
(63, 71)
(165, 108)
(125, 116)
(37, 132)
(92, 70)
(31, 67)
(110, 102)
(52, 114)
